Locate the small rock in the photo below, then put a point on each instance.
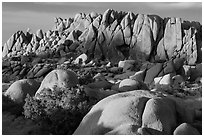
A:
(177, 80)
(169, 68)
(126, 64)
(139, 76)
(152, 73)
(39, 33)
(36, 68)
(18, 67)
(42, 72)
(128, 85)
(186, 129)
(125, 75)
(91, 63)
(157, 80)
(115, 86)
(109, 64)
(36, 61)
(81, 59)
(93, 14)
(166, 79)
(115, 70)
(99, 77)
(23, 72)
(178, 63)
(149, 131)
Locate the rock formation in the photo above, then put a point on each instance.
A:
(134, 112)
(19, 89)
(144, 71)
(115, 36)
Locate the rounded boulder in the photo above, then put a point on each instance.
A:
(19, 89)
(59, 78)
(81, 59)
(130, 84)
(186, 129)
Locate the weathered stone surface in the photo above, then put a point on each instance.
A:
(168, 67)
(161, 53)
(196, 72)
(93, 14)
(160, 114)
(81, 59)
(172, 36)
(116, 36)
(19, 89)
(127, 65)
(146, 31)
(149, 131)
(166, 79)
(42, 72)
(39, 33)
(177, 80)
(152, 73)
(90, 41)
(135, 112)
(59, 78)
(186, 129)
(139, 76)
(128, 85)
(114, 52)
(109, 115)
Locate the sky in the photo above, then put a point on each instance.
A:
(40, 15)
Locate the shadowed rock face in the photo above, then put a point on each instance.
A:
(115, 36)
(19, 89)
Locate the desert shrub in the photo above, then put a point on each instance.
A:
(13, 121)
(61, 109)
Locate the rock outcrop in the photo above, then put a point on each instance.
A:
(144, 71)
(114, 36)
(137, 112)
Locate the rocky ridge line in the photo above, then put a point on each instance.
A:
(114, 36)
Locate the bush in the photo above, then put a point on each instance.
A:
(13, 121)
(60, 110)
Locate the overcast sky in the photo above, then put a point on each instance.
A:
(20, 16)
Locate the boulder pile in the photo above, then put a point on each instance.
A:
(139, 113)
(114, 36)
(142, 72)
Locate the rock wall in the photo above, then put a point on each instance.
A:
(114, 36)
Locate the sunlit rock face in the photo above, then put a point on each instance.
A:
(138, 112)
(139, 74)
(115, 36)
(58, 78)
